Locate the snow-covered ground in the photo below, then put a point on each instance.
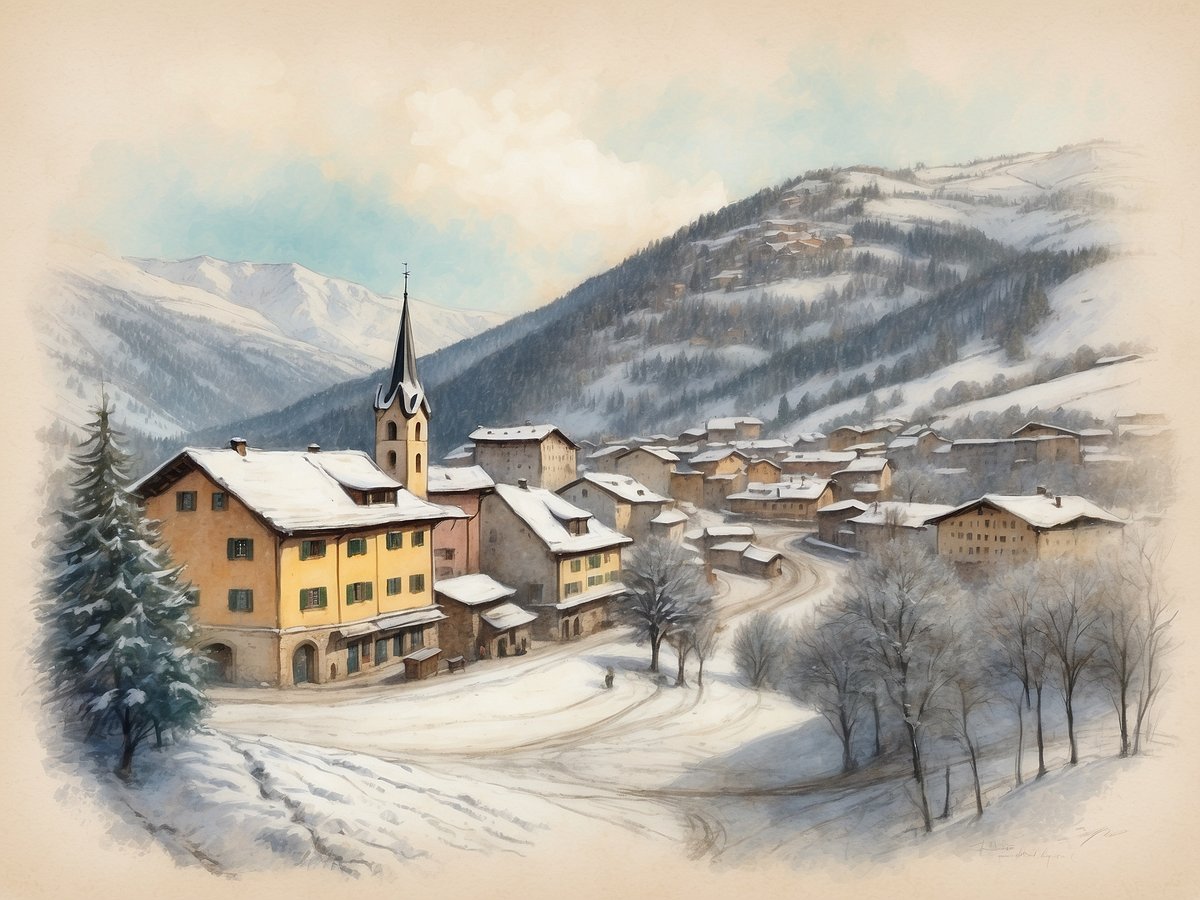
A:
(520, 755)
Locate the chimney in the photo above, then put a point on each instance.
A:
(523, 484)
(238, 444)
(314, 448)
(1058, 502)
(1041, 489)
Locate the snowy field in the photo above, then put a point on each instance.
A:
(515, 755)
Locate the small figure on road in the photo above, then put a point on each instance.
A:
(609, 675)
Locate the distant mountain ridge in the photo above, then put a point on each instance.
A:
(184, 344)
(975, 273)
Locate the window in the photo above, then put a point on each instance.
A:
(312, 549)
(573, 587)
(241, 600)
(391, 459)
(185, 501)
(393, 586)
(418, 638)
(218, 501)
(418, 462)
(418, 537)
(351, 659)
(612, 576)
(395, 540)
(398, 646)
(585, 492)
(418, 437)
(313, 598)
(381, 651)
(533, 590)
(607, 557)
(594, 561)
(576, 565)
(359, 591)
(366, 649)
(240, 548)
(443, 553)
(594, 580)
(391, 431)
(356, 547)
(416, 584)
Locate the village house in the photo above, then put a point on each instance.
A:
(687, 486)
(651, 465)
(919, 446)
(849, 435)
(791, 500)
(882, 523)
(867, 478)
(604, 459)
(720, 461)
(620, 502)
(809, 440)
(726, 280)
(733, 428)
(831, 519)
(540, 454)
(766, 448)
(746, 558)
(1003, 528)
(1087, 437)
(763, 471)
(308, 566)
(717, 488)
(983, 454)
(462, 455)
(311, 566)
(818, 463)
(456, 541)
(669, 524)
(563, 561)
(482, 622)
(696, 435)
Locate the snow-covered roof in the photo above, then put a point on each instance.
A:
(809, 489)
(681, 450)
(622, 487)
(727, 476)
(506, 616)
(546, 514)
(865, 487)
(809, 437)
(867, 447)
(709, 456)
(902, 442)
(905, 515)
(611, 589)
(608, 451)
(729, 423)
(451, 479)
(713, 531)
(951, 472)
(669, 517)
(473, 589)
(387, 621)
(300, 491)
(865, 464)
(661, 453)
(761, 554)
(842, 505)
(661, 438)
(517, 433)
(763, 444)
(821, 456)
(763, 461)
(1068, 431)
(729, 273)
(732, 546)
(424, 653)
(1041, 510)
(693, 433)
(462, 451)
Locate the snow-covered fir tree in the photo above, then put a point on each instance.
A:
(117, 615)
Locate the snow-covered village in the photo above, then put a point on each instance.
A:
(810, 524)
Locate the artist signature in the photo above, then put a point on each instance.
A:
(1004, 850)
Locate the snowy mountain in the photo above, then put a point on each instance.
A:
(837, 291)
(186, 344)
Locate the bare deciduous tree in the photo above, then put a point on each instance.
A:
(901, 599)
(1068, 620)
(665, 591)
(824, 669)
(758, 645)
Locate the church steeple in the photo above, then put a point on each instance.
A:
(402, 413)
(404, 380)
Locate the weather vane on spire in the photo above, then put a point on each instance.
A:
(406, 281)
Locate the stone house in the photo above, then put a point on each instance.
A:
(480, 616)
(540, 454)
(796, 500)
(650, 465)
(618, 501)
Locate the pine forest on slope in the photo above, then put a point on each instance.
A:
(805, 303)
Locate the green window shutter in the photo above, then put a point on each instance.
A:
(249, 548)
(324, 597)
(229, 544)
(233, 605)
(370, 590)
(304, 545)
(349, 593)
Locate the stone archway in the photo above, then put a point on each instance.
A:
(220, 657)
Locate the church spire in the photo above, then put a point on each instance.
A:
(404, 380)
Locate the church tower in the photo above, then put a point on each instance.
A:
(402, 414)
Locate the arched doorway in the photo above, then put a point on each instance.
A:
(578, 630)
(566, 628)
(220, 656)
(304, 664)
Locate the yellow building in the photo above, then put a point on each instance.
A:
(1001, 528)
(308, 566)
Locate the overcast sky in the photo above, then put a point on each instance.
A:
(506, 154)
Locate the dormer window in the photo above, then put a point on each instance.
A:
(577, 526)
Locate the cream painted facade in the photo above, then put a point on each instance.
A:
(645, 467)
(983, 534)
(402, 447)
(548, 463)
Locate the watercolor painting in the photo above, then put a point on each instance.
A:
(670, 450)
